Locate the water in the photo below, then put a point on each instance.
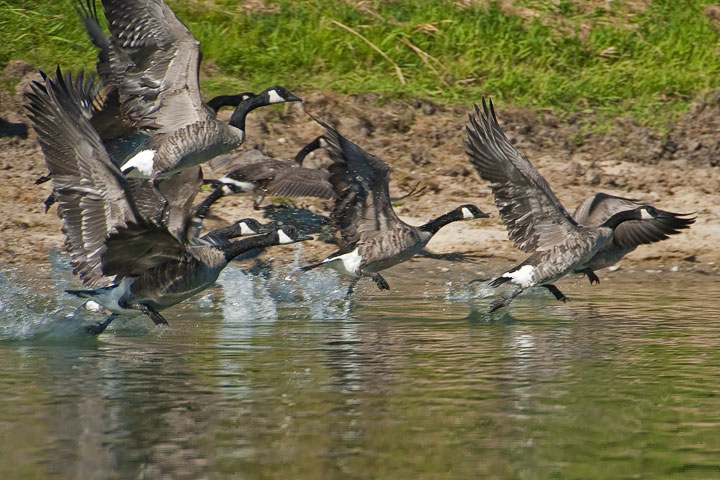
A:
(278, 376)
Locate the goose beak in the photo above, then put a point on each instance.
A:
(302, 238)
(293, 98)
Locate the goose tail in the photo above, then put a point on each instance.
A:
(310, 267)
(497, 281)
(83, 293)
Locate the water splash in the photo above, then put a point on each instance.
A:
(324, 294)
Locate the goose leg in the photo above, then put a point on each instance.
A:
(150, 312)
(49, 201)
(380, 281)
(258, 199)
(504, 302)
(555, 291)
(590, 274)
(100, 327)
(351, 287)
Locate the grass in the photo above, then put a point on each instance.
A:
(649, 62)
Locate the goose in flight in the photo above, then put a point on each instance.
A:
(536, 221)
(152, 62)
(131, 261)
(372, 236)
(254, 172)
(599, 207)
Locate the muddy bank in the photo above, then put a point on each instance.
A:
(422, 141)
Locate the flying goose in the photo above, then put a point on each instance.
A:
(153, 60)
(372, 237)
(134, 262)
(599, 207)
(254, 172)
(535, 219)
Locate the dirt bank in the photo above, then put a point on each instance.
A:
(422, 142)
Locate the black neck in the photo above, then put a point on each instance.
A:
(233, 249)
(319, 142)
(222, 236)
(434, 225)
(621, 217)
(227, 100)
(239, 115)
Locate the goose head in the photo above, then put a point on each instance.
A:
(276, 94)
(470, 211)
(289, 234)
(250, 226)
(643, 212)
(269, 96)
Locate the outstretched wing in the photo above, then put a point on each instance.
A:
(301, 182)
(92, 192)
(147, 244)
(599, 207)
(360, 181)
(160, 89)
(533, 215)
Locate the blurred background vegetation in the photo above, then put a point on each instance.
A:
(647, 59)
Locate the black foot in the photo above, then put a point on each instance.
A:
(100, 327)
(49, 201)
(496, 305)
(380, 281)
(504, 302)
(556, 291)
(151, 312)
(351, 287)
(590, 274)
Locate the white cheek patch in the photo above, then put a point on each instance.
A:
(246, 230)
(323, 143)
(644, 215)
(143, 161)
(246, 187)
(284, 238)
(227, 190)
(467, 213)
(522, 276)
(274, 97)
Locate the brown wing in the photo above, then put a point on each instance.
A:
(146, 244)
(301, 182)
(599, 207)
(360, 182)
(91, 191)
(160, 89)
(533, 215)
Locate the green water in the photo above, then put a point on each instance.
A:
(270, 378)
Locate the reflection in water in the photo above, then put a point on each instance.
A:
(263, 377)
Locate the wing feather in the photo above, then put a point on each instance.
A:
(599, 207)
(160, 88)
(362, 198)
(91, 190)
(533, 215)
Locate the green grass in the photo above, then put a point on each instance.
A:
(569, 58)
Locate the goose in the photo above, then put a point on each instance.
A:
(535, 219)
(131, 262)
(372, 236)
(599, 207)
(152, 60)
(254, 172)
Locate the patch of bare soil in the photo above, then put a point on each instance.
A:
(422, 141)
